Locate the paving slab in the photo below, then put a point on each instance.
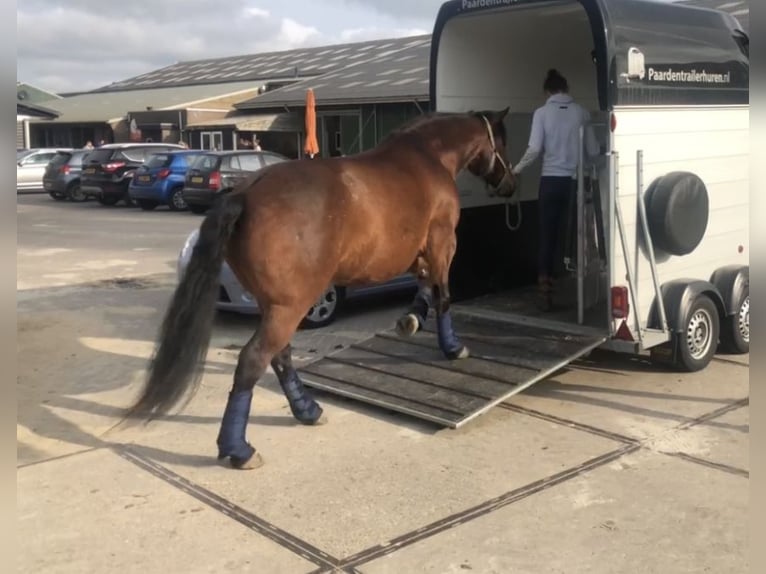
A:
(645, 513)
(724, 440)
(95, 512)
(633, 397)
(364, 478)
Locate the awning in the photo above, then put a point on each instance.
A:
(284, 122)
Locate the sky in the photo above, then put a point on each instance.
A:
(76, 45)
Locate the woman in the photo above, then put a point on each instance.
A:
(556, 133)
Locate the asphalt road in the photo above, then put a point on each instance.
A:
(611, 466)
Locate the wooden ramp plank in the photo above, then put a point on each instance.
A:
(412, 376)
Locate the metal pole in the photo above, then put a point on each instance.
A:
(581, 232)
(648, 240)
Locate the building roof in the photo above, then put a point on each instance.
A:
(108, 106)
(282, 122)
(287, 64)
(34, 110)
(740, 9)
(400, 75)
(29, 94)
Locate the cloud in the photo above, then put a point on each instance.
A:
(402, 9)
(85, 44)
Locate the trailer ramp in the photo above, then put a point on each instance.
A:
(509, 353)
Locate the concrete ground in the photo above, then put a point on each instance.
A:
(611, 466)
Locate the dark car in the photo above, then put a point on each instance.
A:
(217, 172)
(62, 175)
(107, 171)
(160, 180)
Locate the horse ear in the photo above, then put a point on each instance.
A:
(500, 116)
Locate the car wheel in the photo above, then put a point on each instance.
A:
(56, 195)
(735, 330)
(325, 310)
(74, 193)
(147, 204)
(109, 199)
(698, 342)
(176, 201)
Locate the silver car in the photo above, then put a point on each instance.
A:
(30, 167)
(233, 297)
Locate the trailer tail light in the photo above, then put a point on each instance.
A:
(214, 181)
(620, 302)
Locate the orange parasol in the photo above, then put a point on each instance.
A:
(311, 147)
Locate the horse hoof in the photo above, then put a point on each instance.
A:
(462, 353)
(322, 420)
(407, 325)
(255, 461)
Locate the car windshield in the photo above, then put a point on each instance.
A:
(159, 160)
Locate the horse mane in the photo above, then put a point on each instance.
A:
(413, 127)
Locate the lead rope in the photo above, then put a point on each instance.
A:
(508, 200)
(508, 214)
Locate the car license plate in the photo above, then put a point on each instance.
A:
(89, 170)
(144, 178)
(197, 179)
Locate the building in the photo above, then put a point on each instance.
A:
(357, 105)
(28, 108)
(196, 100)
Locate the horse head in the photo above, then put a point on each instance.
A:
(489, 161)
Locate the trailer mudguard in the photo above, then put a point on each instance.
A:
(731, 281)
(678, 295)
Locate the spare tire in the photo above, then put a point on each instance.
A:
(677, 210)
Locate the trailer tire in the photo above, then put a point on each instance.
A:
(698, 342)
(677, 210)
(735, 329)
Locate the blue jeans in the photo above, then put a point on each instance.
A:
(555, 195)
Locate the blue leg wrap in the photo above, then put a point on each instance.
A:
(231, 438)
(421, 305)
(304, 408)
(448, 341)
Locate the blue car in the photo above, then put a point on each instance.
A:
(160, 180)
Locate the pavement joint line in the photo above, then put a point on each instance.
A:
(485, 508)
(59, 457)
(227, 508)
(712, 415)
(570, 424)
(731, 362)
(710, 464)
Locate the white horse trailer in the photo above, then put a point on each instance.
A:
(668, 90)
(657, 252)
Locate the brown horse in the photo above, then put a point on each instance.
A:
(296, 227)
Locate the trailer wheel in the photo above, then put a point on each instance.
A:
(677, 210)
(735, 330)
(698, 342)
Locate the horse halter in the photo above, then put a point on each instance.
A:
(495, 157)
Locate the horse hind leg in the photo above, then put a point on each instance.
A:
(277, 328)
(415, 317)
(303, 406)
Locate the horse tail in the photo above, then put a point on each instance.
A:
(185, 333)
